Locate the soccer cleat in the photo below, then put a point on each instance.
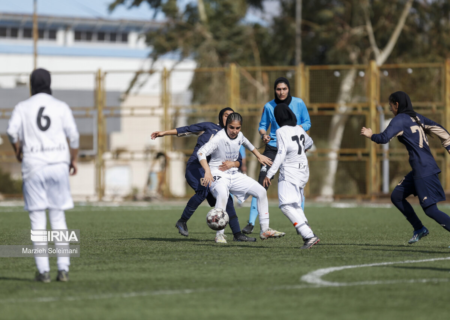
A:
(63, 276)
(248, 228)
(182, 228)
(243, 238)
(270, 233)
(42, 277)
(221, 238)
(419, 234)
(310, 242)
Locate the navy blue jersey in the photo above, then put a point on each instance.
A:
(205, 130)
(414, 138)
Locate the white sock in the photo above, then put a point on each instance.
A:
(295, 214)
(58, 222)
(262, 203)
(305, 231)
(39, 222)
(220, 232)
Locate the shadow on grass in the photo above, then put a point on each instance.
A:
(167, 239)
(424, 268)
(227, 246)
(414, 251)
(16, 279)
(363, 245)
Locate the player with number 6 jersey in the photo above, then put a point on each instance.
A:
(38, 130)
(293, 141)
(224, 146)
(412, 129)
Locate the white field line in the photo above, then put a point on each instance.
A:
(313, 279)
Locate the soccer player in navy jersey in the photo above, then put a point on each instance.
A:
(195, 173)
(412, 129)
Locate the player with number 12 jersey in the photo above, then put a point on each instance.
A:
(291, 159)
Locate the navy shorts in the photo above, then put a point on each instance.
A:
(194, 173)
(428, 189)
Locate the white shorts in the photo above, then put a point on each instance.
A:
(289, 193)
(236, 182)
(48, 188)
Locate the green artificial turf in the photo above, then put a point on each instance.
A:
(135, 265)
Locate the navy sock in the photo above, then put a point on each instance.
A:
(400, 202)
(191, 206)
(440, 217)
(234, 221)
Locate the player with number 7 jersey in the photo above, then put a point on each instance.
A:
(292, 143)
(411, 129)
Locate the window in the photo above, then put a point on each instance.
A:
(101, 36)
(124, 37)
(3, 32)
(112, 37)
(52, 34)
(88, 36)
(14, 32)
(27, 33)
(78, 35)
(41, 33)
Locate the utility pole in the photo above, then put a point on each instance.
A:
(298, 32)
(35, 35)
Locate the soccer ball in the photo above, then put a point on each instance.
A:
(217, 219)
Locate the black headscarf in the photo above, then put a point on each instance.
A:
(405, 106)
(404, 103)
(289, 98)
(284, 115)
(221, 116)
(40, 81)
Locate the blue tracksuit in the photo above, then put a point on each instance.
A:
(268, 118)
(195, 172)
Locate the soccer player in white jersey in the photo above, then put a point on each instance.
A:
(294, 171)
(224, 146)
(38, 130)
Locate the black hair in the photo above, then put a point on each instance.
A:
(234, 117)
(405, 106)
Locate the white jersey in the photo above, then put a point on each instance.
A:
(292, 142)
(222, 148)
(41, 124)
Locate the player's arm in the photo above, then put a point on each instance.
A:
(158, 134)
(202, 154)
(13, 131)
(261, 158)
(182, 131)
(264, 125)
(439, 131)
(395, 128)
(71, 132)
(279, 159)
(308, 142)
(304, 121)
(231, 164)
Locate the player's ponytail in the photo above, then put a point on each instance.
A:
(426, 130)
(234, 117)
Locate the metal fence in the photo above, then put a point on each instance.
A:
(126, 106)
